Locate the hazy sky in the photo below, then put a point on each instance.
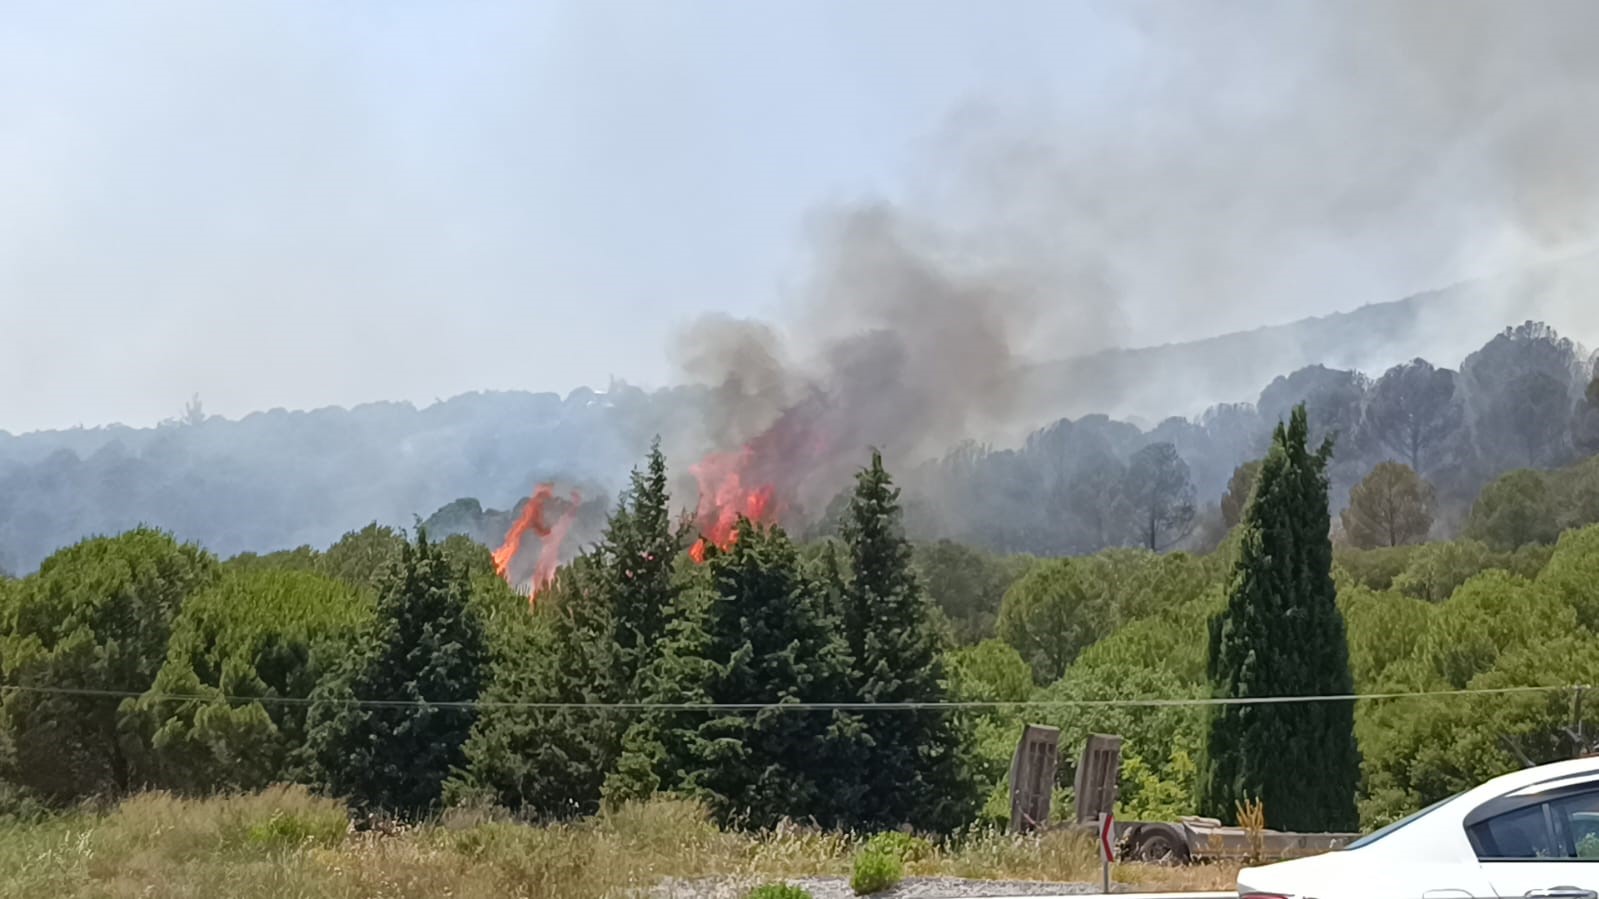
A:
(301, 204)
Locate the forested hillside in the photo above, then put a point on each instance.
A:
(280, 479)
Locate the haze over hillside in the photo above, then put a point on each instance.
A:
(1443, 325)
(279, 478)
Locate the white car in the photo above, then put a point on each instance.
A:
(1532, 833)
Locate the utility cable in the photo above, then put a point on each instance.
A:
(796, 706)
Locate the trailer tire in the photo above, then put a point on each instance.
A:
(1160, 846)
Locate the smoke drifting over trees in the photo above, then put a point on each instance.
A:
(1333, 155)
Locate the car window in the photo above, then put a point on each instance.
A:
(1521, 834)
(1576, 820)
(1566, 826)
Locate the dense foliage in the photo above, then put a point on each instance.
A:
(200, 676)
(96, 618)
(425, 650)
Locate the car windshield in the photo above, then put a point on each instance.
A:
(1376, 835)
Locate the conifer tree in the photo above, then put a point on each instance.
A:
(426, 650)
(916, 770)
(639, 552)
(760, 637)
(550, 762)
(602, 630)
(1282, 634)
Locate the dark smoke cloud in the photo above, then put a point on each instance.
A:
(1247, 158)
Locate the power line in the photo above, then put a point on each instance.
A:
(953, 705)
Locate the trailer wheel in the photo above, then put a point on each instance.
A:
(1160, 846)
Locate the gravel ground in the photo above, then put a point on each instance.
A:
(838, 888)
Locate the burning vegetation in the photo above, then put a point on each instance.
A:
(533, 518)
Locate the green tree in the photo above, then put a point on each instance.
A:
(1515, 510)
(249, 650)
(1391, 507)
(765, 640)
(1498, 630)
(550, 762)
(96, 617)
(362, 558)
(967, 585)
(1383, 629)
(990, 671)
(603, 633)
(426, 650)
(1573, 574)
(916, 769)
(1435, 570)
(1374, 569)
(1281, 634)
(1063, 606)
(301, 558)
(639, 551)
(1239, 488)
(1053, 613)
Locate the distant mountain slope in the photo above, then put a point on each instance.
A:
(278, 479)
(1149, 383)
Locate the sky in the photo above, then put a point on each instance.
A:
(294, 204)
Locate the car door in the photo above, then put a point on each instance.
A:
(1540, 844)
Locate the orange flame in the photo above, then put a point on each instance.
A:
(532, 519)
(724, 497)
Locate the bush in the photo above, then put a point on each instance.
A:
(778, 891)
(903, 846)
(875, 872)
(18, 806)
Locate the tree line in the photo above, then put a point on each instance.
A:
(138, 661)
(401, 674)
(1525, 399)
(1528, 399)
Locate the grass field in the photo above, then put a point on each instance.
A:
(285, 843)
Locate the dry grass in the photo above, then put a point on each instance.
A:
(285, 843)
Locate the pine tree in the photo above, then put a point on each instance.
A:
(427, 647)
(639, 551)
(762, 637)
(916, 769)
(1281, 634)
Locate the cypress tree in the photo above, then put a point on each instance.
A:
(1281, 634)
(427, 645)
(915, 769)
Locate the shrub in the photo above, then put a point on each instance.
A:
(19, 806)
(903, 846)
(778, 891)
(875, 872)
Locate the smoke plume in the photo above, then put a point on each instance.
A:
(1236, 159)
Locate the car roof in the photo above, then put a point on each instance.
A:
(1528, 778)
